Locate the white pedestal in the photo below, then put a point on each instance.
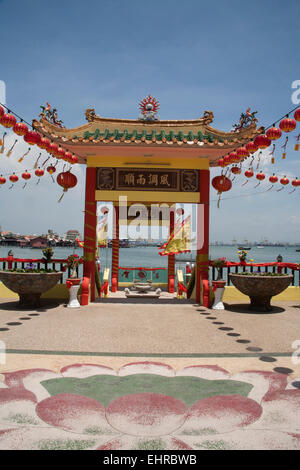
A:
(73, 300)
(218, 304)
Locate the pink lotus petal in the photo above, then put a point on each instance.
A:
(281, 410)
(86, 370)
(17, 405)
(72, 412)
(222, 413)
(30, 380)
(208, 372)
(146, 414)
(15, 379)
(147, 367)
(263, 382)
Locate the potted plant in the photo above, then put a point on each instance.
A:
(30, 283)
(218, 284)
(47, 253)
(73, 282)
(261, 287)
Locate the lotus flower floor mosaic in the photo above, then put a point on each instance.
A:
(149, 406)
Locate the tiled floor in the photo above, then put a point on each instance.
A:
(149, 376)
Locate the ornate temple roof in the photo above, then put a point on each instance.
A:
(99, 133)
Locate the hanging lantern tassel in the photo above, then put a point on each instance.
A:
(284, 147)
(284, 181)
(260, 177)
(273, 179)
(219, 199)
(66, 180)
(39, 172)
(22, 158)
(295, 183)
(297, 143)
(11, 148)
(64, 191)
(45, 161)
(273, 155)
(36, 163)
(258, 161)
(2, 143)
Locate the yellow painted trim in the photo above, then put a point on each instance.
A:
(60, 291)
(148, 196)
(231, 294)
(148, 162)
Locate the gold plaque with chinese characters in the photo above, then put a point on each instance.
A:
(146, 179)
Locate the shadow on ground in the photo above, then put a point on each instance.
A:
(244, 309)
(45, 305)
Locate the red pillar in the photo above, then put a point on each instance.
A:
(90, 227)
(171, 260)
(115, 252)
(202, 268)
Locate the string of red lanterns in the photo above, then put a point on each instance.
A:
(32, 137)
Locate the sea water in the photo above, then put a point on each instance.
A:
(148, 256)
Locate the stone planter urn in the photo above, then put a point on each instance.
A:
(218, 289)
(261, 289)
(29, 286)
(73, 284)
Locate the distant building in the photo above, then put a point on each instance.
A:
(71, 235)
(39, 242)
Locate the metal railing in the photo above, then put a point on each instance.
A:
(56, 264)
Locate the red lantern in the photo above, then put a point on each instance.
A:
(287, 124)
(26, 175)
(51, 169)
(2, 180)
(235, 170)
(284, 181)
(67, 180)
(20, 128)
(249, 173)
(220, 161)
(227, 160)
(53, 148)
(260, 176)
(39, 172)
(2, 111)
(262, 141)
(242, 152)
(32, 138)
(44, 143)
(297, 114)
(221, 183)
(74, 159)
(61, 153)
(14, 178)
(251, 147)
(296, 182)
(68, 156)
(234, 158)
(8, 120)
(273, 179)
(273, 133)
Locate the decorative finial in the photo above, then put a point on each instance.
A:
(149, 107)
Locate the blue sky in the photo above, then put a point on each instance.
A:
(192, 56)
